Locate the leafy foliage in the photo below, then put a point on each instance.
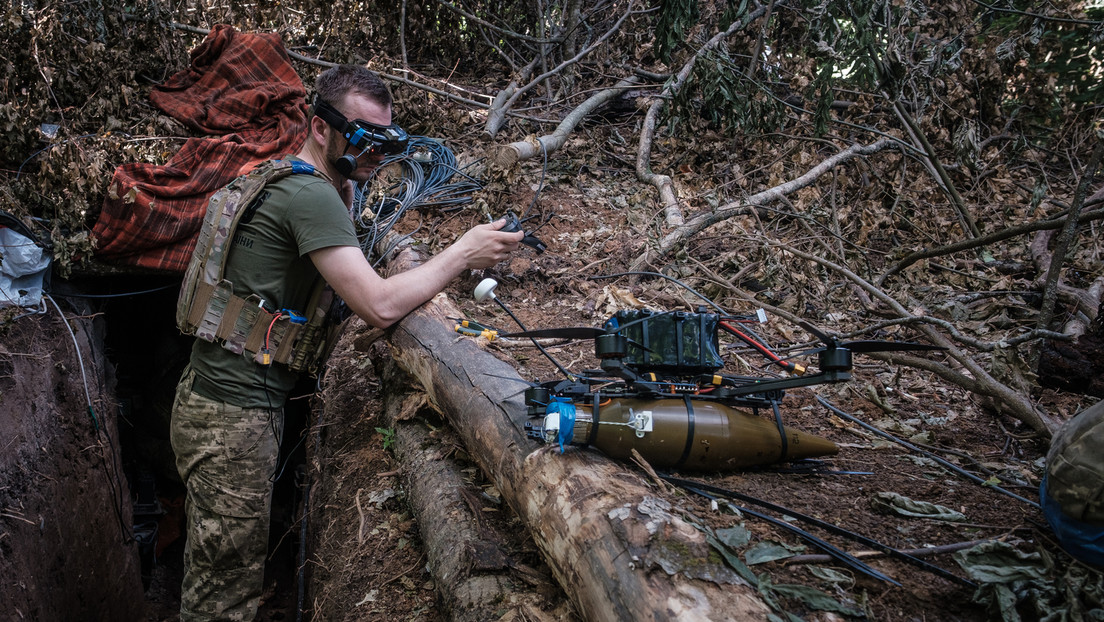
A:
(676, 17)
(719, 92)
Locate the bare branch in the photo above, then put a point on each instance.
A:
(1065, 238)
(667, 197)
(1018, 406)
(494, 121)
(678, 236)
(985, 240)
(499, 29)
(938, 171)
(508, 155)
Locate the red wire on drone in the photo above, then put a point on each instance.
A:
(787, 365)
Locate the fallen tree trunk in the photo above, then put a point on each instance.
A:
(618, 551)
(473, 574)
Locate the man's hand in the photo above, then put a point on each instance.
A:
(484, 245)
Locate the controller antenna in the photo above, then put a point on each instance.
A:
(485, 290)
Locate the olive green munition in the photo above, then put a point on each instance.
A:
(685, 433)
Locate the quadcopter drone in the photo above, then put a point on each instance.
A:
(658, 390)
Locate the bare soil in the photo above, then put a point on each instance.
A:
(67, 549)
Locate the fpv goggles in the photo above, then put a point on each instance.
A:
(360, 134)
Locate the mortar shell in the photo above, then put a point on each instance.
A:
(692, 434)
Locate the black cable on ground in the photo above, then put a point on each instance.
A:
(839, 554)
(110, 471)
(829, 527)
(949, 465)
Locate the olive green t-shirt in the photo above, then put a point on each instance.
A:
(269, 257)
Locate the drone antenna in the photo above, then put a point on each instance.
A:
(596, 277)
(485, 290)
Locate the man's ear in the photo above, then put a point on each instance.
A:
(317, 129)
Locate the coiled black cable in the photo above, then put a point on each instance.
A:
(429, 177)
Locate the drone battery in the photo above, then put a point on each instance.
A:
(672, 342)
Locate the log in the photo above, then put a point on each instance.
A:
(618, 551)
(474, 575)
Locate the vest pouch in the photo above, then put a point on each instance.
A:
(213, 310)
(249, 315)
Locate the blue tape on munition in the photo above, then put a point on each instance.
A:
(565, 408)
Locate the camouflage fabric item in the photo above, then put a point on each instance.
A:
(1075, 467)
(226, 457)
(225, 208)
(207, 306)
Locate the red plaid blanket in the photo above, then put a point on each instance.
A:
(240, 87)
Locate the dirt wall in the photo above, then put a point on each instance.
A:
(65, 520)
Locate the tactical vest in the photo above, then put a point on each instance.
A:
(208, 308)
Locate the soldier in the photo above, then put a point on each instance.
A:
(228, 414)
(1072, 491)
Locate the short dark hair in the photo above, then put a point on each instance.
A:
(335, 83)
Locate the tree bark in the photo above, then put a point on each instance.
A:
(1077, 366)
(618, 551)
(474, 576)
(508, 155)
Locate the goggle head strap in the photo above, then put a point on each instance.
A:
(360, 134)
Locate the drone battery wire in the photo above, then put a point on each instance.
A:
(763, 349)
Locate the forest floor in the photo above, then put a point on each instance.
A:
(383, 576)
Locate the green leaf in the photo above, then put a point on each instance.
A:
(891, 502)
(732, 560)
(766, 552)
(814, 598)
(735, 537)
(831, 575)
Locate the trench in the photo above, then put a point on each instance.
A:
(136, 344)
(149, 355)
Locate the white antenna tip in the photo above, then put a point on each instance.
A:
(485, 290)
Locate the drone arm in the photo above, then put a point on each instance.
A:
(782, 384)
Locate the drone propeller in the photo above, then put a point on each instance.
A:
(607, 342)
(870, 345)
(816, 332)
(582, 332)
(874, 345)
(567, 332)
(832, 342)
(836, 355)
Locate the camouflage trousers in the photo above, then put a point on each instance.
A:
(227, 457)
